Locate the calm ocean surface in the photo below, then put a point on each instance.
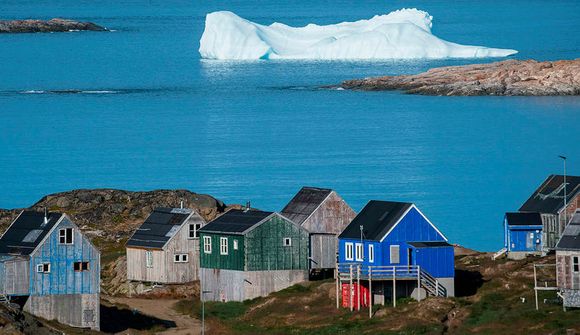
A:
(142, 111)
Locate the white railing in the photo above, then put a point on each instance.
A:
(353, 271)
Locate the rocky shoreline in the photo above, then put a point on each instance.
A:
(506, 78)
(46, 26)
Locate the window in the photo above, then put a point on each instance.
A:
(43, 268)
(207, 244)
(575, 264)
(81, 266)
(395, 258)
(223, 245)
(371, 253)
(235, 244)
(65, 236)
(287, 242)
(359, 252)
(180, 258)
(148, 259)
(348, 251)
(193, 228)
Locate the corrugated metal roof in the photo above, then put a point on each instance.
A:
(305, 203)
(377, 218)
(430, 244)
(523, 219)
(26, 232)
(159, 227)
(549, 197)
(570, 239)
(235, 221)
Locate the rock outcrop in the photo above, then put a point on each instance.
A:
(511, 77)
(113, 215)
(44, 26)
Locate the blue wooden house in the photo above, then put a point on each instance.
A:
(395, 250)
(523, 234)
(46, 260)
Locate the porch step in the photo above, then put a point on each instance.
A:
(499, 253)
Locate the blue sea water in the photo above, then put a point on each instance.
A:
(137, 109)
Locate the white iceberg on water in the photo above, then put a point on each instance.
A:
(402, 34)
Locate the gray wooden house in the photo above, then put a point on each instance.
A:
(568, 263)
(248, 254)
(548, 201)
(325, 215)
(165, 248)
(46, 259)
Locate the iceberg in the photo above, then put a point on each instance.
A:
(402, 34)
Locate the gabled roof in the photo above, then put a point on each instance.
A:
(304, 203)
(523, 219)
(570, 239)
(377, 218)
(235, 221)
(26, 232)
(549, 197)
(159, 227)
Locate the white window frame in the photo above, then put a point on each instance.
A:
(62, 236)
(180, 258)
(348, 251)
(148, 259)
(40, 268)
(371, 253)
(207, 244)
(392, 253)
(287, 242)
(223, 246)
(235, 244)
(359, 252)
(575, 264)
(191, 228)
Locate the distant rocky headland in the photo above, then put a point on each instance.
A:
(510, 77)
(46, 26)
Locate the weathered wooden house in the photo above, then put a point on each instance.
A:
(523, 234)
(548, 200)
(392, 250)
(325, 215)
(165, 248)
(568, 262)
(247, 254)
(46, 259)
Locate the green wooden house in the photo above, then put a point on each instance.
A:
(247, 254)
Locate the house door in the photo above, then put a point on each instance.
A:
(410, 260)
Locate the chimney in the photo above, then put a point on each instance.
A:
(248, 206)
(45, 217)
(181, 204)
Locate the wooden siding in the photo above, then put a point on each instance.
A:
(566, 278)
(164, 269)
(62, 278)
(14, 277)
(323, 249)
(234, 260)
(550, 231)
(77, 310)
(332, 216)
(232, 285)
(265, 250)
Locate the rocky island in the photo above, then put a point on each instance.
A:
(46, 26)
(506, 78)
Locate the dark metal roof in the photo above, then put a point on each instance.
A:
(305, 203)
(570, 239)
(549, 197)
(377, 218)
(26, 232)
(159, 227)
(430, 244)
(523, 219)
(235, 221)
